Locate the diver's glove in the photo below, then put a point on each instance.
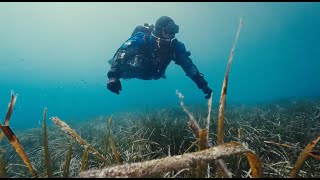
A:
(206, 90)
(114, 85)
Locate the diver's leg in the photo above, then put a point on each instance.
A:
(116, 62)
(115, 72)
(126, 66)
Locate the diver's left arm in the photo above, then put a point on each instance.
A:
(182, 58)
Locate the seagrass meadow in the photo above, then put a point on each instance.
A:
(282, 136)
(272, 140)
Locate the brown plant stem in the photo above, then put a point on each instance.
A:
(45, 144)
(175, 163)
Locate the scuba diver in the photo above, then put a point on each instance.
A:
(148, 52)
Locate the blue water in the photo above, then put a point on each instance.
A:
(55, 55)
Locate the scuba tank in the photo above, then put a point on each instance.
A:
(146, 28)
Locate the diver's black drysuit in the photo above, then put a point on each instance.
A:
(146, 56)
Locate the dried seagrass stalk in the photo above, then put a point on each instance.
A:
(109, 142)
(278, 144)
(17, 146)
(314, 155)
(2, 168)
(115, 153)
(224, 91)
(175, 163)
(10, 109)
(194, 143)
(192, 122)
(84, 161)
(203, 144)
(240, 134)
(203, 140)
(222, 169)
(66, 165)
(45, 144)
(108, 134)
(209, 112)
(65, 127)
(9, 112)
(223, 100)
(7, 131)
(110, 121)
(183, 106)
(255, 164)
(303, 157)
